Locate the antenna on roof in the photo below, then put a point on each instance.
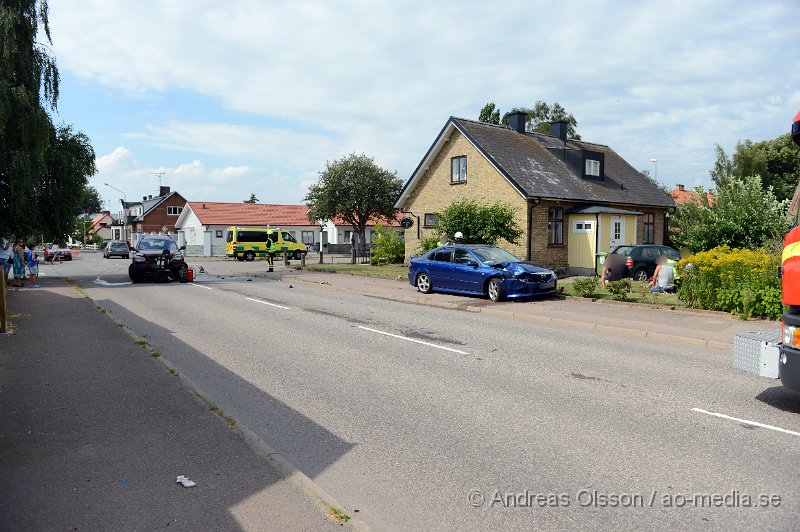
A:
(160, 175)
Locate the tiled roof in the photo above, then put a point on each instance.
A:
(222, 213)
(537, 172)
(682, 196)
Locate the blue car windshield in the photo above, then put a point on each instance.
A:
(491, 256)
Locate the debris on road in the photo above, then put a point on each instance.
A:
(185, 481)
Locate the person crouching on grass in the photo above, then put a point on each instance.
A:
(33, 265)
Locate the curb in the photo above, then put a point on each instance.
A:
(544, 319)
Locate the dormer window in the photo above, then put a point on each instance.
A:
(592, 168)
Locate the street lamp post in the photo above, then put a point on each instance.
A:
(655, 162)
(121, 212)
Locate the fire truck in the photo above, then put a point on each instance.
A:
(789, 362)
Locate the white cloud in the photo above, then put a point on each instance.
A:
(661, 80)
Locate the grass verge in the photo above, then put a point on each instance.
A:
(639, 293)
(397, 272)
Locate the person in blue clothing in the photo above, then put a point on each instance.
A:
(19, 263)
(33, 265)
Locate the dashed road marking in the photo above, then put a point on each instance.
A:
(413, 340)
(267, 303)
(201, 286)
(746, 421)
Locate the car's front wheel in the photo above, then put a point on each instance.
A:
(297, 254)
(136, 276)
(495, 290)
(249, 256)
(641, 275)
(424, 284)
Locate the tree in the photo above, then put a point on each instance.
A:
(540, 116)
(743, 215)
(355, 190)
(90, 198)
(62, 190)
(663, 188)
(28, 79)
(480, 224)
(777, 161)
(253, 198)
(490, 114)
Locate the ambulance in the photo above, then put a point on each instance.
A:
(247, 243)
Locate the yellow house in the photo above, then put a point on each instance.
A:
(573, 199)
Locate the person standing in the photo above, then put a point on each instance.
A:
(19, 263)
(6, 249)
(33, 265)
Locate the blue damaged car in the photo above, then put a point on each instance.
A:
(479, 270)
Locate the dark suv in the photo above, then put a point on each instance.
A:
(116, 248)
(157, 256)
(641, 261)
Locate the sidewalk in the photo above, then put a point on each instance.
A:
(94, 432)
(712, 329)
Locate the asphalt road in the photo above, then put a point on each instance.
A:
(416, 417)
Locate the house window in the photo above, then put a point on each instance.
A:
(583, 227)
(430, 219)
(218, 233)
(174, 211)
(592, 167)
(308, 237)
(555, 226)
(649, 228)
(458, 167)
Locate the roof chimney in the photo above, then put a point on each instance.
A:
(150, 196)
(517, 120)
(163, 191)
(680, 187)
(558, 128)
(144, 198)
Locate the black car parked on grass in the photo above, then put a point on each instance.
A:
(159, 257)
(641, 258)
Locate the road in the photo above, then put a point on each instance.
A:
(415, 417)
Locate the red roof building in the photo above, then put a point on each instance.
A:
(681, 195)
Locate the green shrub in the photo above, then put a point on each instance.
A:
(427, 243)
(586, 286)
(389, 247)
(739, 281)
(619, 289)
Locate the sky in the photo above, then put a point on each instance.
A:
(225, 99)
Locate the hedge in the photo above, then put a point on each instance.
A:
(739, 281)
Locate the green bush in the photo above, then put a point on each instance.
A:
(389, 247)
(739, 281)
(619, 289)
(586, 286)
(427, 243)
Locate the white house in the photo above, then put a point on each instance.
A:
(202, 225)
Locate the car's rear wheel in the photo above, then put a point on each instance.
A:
(297, 254)
(495, 290)
(641, 275)
(424, 284)
(249, 256)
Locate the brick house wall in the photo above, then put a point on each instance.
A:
(158, 217)
(553, 256)
(484, 184)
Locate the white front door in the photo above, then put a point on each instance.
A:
(617, 231)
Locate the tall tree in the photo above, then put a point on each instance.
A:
(90, 198)
(253, 198)
(490, 114)
(356, 190)
(28, 81)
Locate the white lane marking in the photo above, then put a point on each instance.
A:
(201, 286)
(103, 282)
(266, 303)
(746, 421)
(414, 340)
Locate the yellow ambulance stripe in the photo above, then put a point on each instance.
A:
(792, 250)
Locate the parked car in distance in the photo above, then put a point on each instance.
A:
(53, 251)
(479, 270)
(158, 257)
(641, 258)
(116, 248)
